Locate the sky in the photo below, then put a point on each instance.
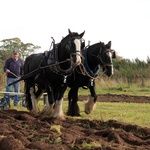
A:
(126, 23)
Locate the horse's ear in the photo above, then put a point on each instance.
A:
(45, 53)
(81, 35)
(69, 31)
(113, 53)
(109, 45)
(82, 43)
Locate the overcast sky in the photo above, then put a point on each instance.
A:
(125, 22)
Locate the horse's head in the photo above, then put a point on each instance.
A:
(106, 54)
(73, 44)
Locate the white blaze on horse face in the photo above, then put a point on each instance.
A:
(78, 51)
(112, 69)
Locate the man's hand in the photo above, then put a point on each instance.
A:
(7, 71)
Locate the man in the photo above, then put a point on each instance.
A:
(14, 69)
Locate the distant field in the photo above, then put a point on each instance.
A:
(113, 87)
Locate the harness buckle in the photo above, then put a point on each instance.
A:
(92, 82)
(65, 79)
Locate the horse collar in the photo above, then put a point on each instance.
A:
(91, 72)
(53, 59)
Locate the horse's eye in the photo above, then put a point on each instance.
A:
(67, 47)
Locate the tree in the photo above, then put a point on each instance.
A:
(8, 45)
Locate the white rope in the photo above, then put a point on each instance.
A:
(84, 72)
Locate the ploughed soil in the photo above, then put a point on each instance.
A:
(120, 98)
(21, 130)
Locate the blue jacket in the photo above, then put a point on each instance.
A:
(15, 66)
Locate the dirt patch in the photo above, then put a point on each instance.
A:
(119, 98)
(20, 130)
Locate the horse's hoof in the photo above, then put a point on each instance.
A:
(87, 112)
(73, 114)
(57, 116)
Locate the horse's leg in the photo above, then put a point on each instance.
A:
(73, 108)
(49, 103)
(38, 93)
(34, 100)
(58, 111)
(90, 104)
(69, 112)
(28, 101)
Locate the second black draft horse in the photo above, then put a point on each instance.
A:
(95, 56)
(62, 60)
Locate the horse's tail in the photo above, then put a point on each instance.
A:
(28, 95)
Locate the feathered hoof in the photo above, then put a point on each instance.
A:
(58, 116)
(88, 109)
(35, 111)
(89, 106)
(73, 114)
(47, 112)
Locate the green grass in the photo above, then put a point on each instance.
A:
(113, 87)
(133, 113)
(56, 128)
(126, 112)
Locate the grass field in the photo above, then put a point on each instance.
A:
(134, 113)
(125, 112)
(120, 87)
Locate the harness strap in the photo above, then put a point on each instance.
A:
(103, 61)
(53, 59)
(109, 64)
(91, 72)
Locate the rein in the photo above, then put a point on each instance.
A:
(103, 61)
(56, 68)
(92, 73)
(14, 74)
(85, 72)
(36, 71)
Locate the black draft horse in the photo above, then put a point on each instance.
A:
(63, 58)
(95, 56)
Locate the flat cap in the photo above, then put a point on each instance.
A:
(15, 51)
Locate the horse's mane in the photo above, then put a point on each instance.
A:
(73, 34)
(96, 45)
(64, 39)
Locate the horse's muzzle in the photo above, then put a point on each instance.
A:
(109, 70)
(76, 59)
